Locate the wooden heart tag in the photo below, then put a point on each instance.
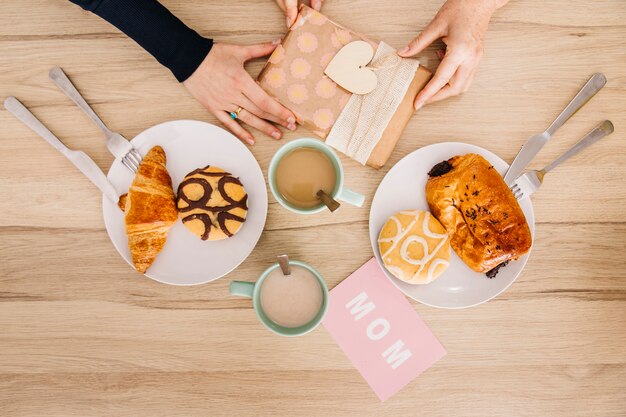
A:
(348, 68)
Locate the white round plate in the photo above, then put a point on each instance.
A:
(188, 144)
(403, 188)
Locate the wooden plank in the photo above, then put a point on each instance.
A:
(544, 389)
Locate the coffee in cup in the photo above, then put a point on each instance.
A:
(288, 304)
(301, 168)
(291, 300)
(301, 173)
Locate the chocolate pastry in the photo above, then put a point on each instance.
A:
(471, 200)
(212, 203)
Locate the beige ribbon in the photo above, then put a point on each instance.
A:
(362, 122)
(386, 62)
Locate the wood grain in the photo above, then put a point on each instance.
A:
(83, 334)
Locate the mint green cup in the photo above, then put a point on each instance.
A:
(253, 290)
(339, 193)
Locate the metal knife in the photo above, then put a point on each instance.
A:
(536, 142)
(81, 160)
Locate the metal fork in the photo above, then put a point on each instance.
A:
(528, 183)
(117, 144)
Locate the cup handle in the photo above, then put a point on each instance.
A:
(351, 197)
(242, 288)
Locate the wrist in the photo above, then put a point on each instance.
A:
(485, 8)
(496, 4)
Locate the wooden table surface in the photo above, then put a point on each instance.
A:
(83, 334)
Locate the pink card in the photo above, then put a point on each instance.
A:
(378, 329)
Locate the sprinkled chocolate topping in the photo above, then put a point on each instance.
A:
(441, 168)
(492, 273)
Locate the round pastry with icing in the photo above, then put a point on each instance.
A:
(414, 247)
(212, 203)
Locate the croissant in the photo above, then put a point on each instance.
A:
(150, 209)
(486, 224)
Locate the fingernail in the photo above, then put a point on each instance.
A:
(291, 126)
(276, 41)
(418, 104)
(291, 120)
(250, 141)
(403, 50)
(276, 134)
(288, 21)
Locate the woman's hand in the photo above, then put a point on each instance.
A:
(290, 7)
(462, 25)
(222, 85)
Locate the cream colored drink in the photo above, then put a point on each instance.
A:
(291, 300)
(301, 173)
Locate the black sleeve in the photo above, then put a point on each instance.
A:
(156, 30)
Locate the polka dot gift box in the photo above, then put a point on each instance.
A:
(294, 75)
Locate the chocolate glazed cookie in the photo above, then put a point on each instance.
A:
(213, 204)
